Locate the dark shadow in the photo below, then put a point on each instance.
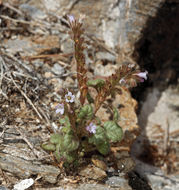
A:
(137, 182)
(157, 51)
(176, 108)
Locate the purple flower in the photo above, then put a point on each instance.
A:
(142, 75)
(122, 81)
(91, 128)
(71, 18)
(69, 97)
(60, 109)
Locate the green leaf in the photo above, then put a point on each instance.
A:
(70, 143)
(56, 138)
(103, 148)
(98, 121)
(58, 154)
(58, 148)
(115, 115)
(86, 112)
(66, 124)
(69, 157)
(100, 140)
(89, 98)
(48, 146)
(113, 131)
(97, 83)
(98, 137)
(65, 121)
(62, 121)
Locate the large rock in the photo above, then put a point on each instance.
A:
(118, 23)
(158, 142)
(25, 169)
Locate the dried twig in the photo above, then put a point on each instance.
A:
(1, 77)
(36, 153)
(3, 125)
(166, 138)
(2, 71)
(28, 100)
(48, 124)
(101, 44)
(11, 28)
(61, 57)
(23, 75)
(7, 5)
(16, 20)
(166, 148)
(32, 23)
(15, 61)
(5, 177)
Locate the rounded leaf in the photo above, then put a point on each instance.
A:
(56, 138)
(89, 98)
(96, 83)
(115, 115)
(66, 124)
(100, 140)
(103, 148)
(65, 121)
(70, 143)
(98, 121)
(58, 155)
(68, 157)
(48, 146)
(98, 137)
(86, 112)
(113, 131)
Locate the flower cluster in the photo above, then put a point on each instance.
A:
(140, 77)
(60, 109)
(70, 98)
(91, 128)
(78, 121)
(71, 18)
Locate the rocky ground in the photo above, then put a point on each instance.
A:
(36, 60)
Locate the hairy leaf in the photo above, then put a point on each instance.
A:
(98, 137)
(100, 140)
(97, 83)
(58, 154)
(103, 147)
(113, 131)
(66, 124)
(69, 157)
(89, 98)
(48, 146)
(115, 115)
(56, 138)
(70, 143)
(86, 112)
